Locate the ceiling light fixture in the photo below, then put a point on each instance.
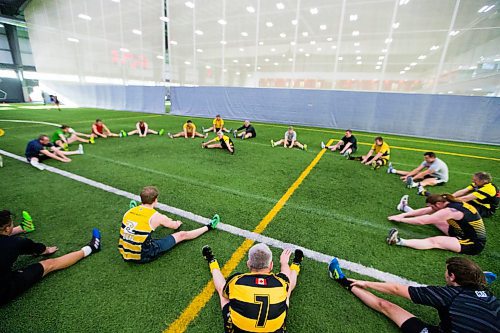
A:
(137, 32)
(312, 42)
(434, 47)
(208, 67)
(305, 34)
(353, 17)
(485, 9)
(160, 57)
(173, 42)
(395, 25)
(280, 5)
(359, 63)
(164, 19)
(189, 4)
(358, 51)
(477, 89)
(403, 2)
(222, 22)
(355, 33)
(384, 51)
(358, 58)
(244, 34)
(250, 9)
(402, 72)
(283, 35)
(377, 67)
(388, 40)
(199, 50)
(85, 17)
(223, 42)
(454, 32)
(73, 40)
(269, 24)
(381, 58)
(329, 39)
(313, 11)
(294, 22)
(413, 64)
(422, 57)
(187, 62)
(322, 27)
(198, 32)
(356, 44)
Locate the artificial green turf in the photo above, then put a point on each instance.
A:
(340, 209)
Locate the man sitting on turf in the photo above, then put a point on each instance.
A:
(65, 135)
(188, 131)
(217, 126)
(290, 140)
(136, 243)
(435, 173)
(348, 143)
(14, 283)
(464, 305)
(257, 301)
(459, 221)
(37, 150)
(142, 129)
(99, 129)
(382, 154)
(247, 131)
(224, 142)
(482, 194)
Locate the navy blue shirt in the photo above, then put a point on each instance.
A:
(461, 310)
(33, 148)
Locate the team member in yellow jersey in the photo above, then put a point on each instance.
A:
(217, 125)
(188, 131)
(482, 194)
(221, 141)
(257, 301)
(382, 154)
(136, 243)
(460, 222)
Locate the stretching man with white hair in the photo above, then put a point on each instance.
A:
(257, 301)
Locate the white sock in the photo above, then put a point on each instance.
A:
(400, 242)
(415, 185)
(407, 209)
(87, 250)
(393, 170)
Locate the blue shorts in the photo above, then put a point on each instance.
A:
(155, 248)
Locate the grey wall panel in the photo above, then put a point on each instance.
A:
(459, 118)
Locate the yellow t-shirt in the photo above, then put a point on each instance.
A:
(190, 128)
(218, 123)
(384, 149)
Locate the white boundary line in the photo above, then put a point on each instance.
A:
(317, 256)
(29, 122)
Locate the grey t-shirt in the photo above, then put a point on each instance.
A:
(291, 136)
(439, 169)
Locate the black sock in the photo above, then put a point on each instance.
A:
(345, 283)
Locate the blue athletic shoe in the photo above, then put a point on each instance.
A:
(334, 270)
(490, 277)
(95, 242)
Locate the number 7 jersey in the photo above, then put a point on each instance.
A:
(257, 302)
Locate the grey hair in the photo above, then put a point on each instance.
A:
(484, 177)
(260, 256)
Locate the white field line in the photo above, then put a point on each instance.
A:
(29, 122)
(317, 256)
(311, 210)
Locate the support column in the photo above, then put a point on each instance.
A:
(15, 51)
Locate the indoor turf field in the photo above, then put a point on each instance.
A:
(340, 209)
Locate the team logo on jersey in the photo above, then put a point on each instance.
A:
(481, 293)
(261, 282)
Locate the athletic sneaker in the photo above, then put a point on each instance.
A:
(95, 242)
(234, 134)
(272, 143)
(203, 129)
(334, 270)
(390, 168)
(490, 277)
(92, 140)
(403, 203)
(80, 149)
(207, 253)
(375, 165)
(206, 135)
(161, 132)
(170, 135)
(421, 190)
(392, 237)
(409, 182)
(305, 147)
(298, 257)
(132, 204)
(27, 222)
(202, 146)
(322, 145)
(65, 147)
(1, 161)
(213, 222)
(347, 155)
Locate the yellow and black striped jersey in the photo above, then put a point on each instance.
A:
(257, 302)
(487, 195)
(227, 140)
(470, 227)
(384, 149)
(135, 230)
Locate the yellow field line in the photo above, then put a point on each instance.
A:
(437, 152)
(389, 136)
(198, 303)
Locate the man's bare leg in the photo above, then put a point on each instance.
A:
(182, 236)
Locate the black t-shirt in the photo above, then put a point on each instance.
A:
(248, 129)
(12, 247)
(460, 309)
(352, 140)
